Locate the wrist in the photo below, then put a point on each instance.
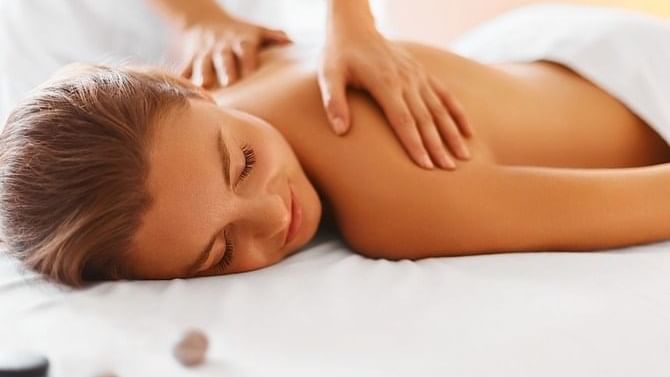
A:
(206, 13)
(345, 15)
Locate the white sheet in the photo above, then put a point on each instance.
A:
(329, 312)
(625, 53)
(39, 36)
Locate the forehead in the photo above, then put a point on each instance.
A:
(184, 182)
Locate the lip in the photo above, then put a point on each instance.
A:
(296, 219)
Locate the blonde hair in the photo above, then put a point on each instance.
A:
(73, 167)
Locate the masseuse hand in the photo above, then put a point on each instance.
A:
(222, 49)
(419, 109)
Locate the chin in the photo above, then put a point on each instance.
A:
(312, 211)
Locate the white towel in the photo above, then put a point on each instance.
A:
(625, 53)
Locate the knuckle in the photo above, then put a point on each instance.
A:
(414, 78)
(224, 48)
(439, 111)
(451, 134)
(449, 128)
(388, 77)
(244, 50)
(219, 45)
(433, 143)
(424, 120)
(421, 76)
(405, 75)
(405, 121)
(442, 116)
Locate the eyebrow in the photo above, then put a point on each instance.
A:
(224, 155)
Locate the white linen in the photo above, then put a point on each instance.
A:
(625, 53)
(39, 36)
(327, 311)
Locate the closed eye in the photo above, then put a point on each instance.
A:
(227, 258)
(249, 161)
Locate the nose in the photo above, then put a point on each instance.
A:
(267, 217)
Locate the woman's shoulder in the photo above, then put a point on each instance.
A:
(297, 54)
(364, 176)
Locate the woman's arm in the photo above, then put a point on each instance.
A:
(348, 12)
(186, 14)
(488, 208)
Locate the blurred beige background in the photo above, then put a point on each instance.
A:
(440, 21)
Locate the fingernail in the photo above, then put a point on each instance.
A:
(445, 162)
(466, 153)
(426, 162)
(338, 126)
(224, 81)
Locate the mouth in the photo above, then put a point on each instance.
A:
(296, 219)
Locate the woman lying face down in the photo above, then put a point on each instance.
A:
(115, 173)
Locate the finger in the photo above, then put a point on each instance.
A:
(455, 108)
(392, 102)
(224, 64)
(402, 122)
(332, 85)
(246, 56)
(445, 124)
(429, 133)
(196, 76)
(186, 69)
(203, 70)
(272, 36)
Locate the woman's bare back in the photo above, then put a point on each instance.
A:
(536, 114)
(546, 115)
(524, 114)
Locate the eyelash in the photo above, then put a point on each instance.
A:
(249, 162)
(227, 256)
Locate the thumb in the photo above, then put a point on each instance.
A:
(271, 36)
(334, 96)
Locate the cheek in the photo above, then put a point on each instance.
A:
(254, 259)
(275, 148)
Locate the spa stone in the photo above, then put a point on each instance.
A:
(192, 348)
(23, 364)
